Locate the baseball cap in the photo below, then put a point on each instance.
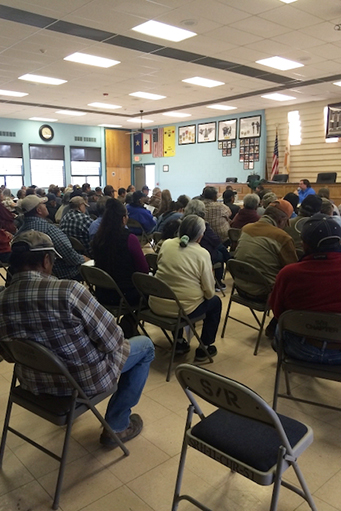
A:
(79, 200)
(284, 206)
(137, 196)
(312, 204)
(229, 193)
(51, 197)
(268, 198)
(33, 241)
(31, 202)
(321, 231)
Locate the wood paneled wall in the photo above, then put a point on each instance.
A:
(118, 158)
(314, 155)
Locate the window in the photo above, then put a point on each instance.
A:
(86, 166)
(47, 165)
(294, 120)
(11, 166)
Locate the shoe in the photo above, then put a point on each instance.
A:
(200, 355)
(134, 429)
(221, 288)
(182, 347)
(270, 332)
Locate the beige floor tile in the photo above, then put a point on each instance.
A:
(330, 492)
(121, 499)
(170, 395)
(86, 480)
(320, 504)
(13, 473)
(166, 433)
(29, 497)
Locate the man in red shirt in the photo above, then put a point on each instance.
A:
(312, 284)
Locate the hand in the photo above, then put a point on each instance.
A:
(86, 259)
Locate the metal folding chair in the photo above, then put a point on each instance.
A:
(152, 262)
(61, 411)
(244, 434)
(150, 286)
(77, 245)
(143, 238)
(317, 326)
(233, 235)
(245, 272)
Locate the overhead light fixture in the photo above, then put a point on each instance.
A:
(177, 114)
(110, 125)
(13, 93)
(288, 1)
(222, 107)
(70, 112)
(279, 63)
(203, 82)
(147, 95)
(337, 83)
(91, 60)
(42, 79)
(104, 105)
(42, 119)
(163, 31)
(278, 97)
(138, 119)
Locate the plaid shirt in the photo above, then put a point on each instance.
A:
(76, 224)
(66, 268)
(217, 215)
(63, 316)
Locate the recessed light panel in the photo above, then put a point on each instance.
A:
(337, 83)
(222, 107)
(288, 1)
(110, 125)
(13, 93)
(43, 119)
(177, 114)
(164, 31)
(70, 112)
(104, 105)
(203, 82)
(278, 97)
(279, 63)
(138, 119)
(42, 79)
(147, 95)
(91, 60)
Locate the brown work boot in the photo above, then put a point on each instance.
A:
(134, 429)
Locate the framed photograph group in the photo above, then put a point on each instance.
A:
(250, 126)
(334, 121)
(186, 134)
(206, 132)
(227, 130)
(249, 152)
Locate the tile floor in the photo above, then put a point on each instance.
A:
(101, 480)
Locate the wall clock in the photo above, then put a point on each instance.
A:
(46, 133)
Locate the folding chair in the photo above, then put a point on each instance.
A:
(244, 434)
(151, 286)
(143, 238)
(61, 411)
(157, 236)
(247, 273)
(233, 235)
(7, 277)
(319, 327)
(152, 262)
(77, 245)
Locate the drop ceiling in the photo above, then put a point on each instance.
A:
(36, 35)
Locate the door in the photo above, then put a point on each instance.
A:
(139, 176)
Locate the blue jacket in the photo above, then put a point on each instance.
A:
(304, 193)
(143, 216)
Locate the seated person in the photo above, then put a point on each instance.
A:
(293, 199)
(175, 212)
(217, 214)
(312, 284)
(63, 316)
(186, 267)
(248, 214)
(155, 199)
(52, 207)
(101, 202)
(229, 198)
(310, 206)
(76, 223)
(137, 211)
(304, 189)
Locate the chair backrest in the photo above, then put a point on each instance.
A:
(152, 262)
(324, 326)
(326, 177)
(76, 244)
(234, 234)
(134, 224)
(98, 278)
(151, 286)
(157, 236)
(281, 178)
(245, 271)
(231, 180)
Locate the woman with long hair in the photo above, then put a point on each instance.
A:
(166, 200)
(118, 252)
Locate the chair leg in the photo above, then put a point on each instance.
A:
(227, 315)
(277, 380)
(278, 479)
(260, 333)
(306, 492)
(173, 352)
(287, 382)
(5, 430)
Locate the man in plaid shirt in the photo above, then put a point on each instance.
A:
(63, 316)
(76, 223)
(217, 214)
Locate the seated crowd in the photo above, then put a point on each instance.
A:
(294, 247)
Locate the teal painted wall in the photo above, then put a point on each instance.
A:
(195, 164)
(27, 132)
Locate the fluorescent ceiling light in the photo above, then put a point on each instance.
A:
(176, 114)
(13, 93)
(163, 31)
(337, 83)
(42, 79)
(110, 125)
(146, 95)
(138, 119)
(288, 1)
(91, 60)
(222, 107)
(70, 112)
(203, 82)
(278, 97)
(43, 119)
(104, 105)
(279, 63)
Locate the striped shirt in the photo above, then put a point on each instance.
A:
(63, 316)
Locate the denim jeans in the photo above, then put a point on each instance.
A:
(297, 347)
(130, 385)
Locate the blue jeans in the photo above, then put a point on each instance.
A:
(297, 347)
(130, 385)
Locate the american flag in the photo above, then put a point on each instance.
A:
(157, 142)
(274, 168)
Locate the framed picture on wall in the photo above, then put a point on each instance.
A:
(206, 132)
(186, 135)
(334, 121)
(250, 126)
(227, 130)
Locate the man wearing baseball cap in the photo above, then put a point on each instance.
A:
(35, 214)
(66, 318)
(312, 284)
(266, 246)
(229, 198)
(76, 223)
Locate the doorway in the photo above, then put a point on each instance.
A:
(144, 175)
